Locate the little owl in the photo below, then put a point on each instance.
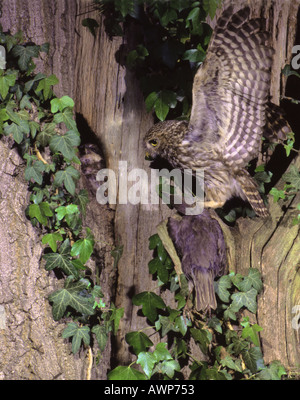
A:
(230, 113)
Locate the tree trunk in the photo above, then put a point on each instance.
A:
(31, 345)
(110, 106)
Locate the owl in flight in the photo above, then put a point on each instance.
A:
(230, 113)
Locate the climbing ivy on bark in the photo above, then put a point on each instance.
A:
(44, 129)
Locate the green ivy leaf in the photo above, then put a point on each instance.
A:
(273, 372)
(101, 335)
(252, 280)
(293, 176)
(154, 241)
(59, 104)
(277, 194)
(139, 341)
(62, 211)
(228, 362)
(149, 302)
(210, 7)
(45, 85)
(40, 212)
(83, 248)
(16, 131)
(67, 178)
(245, 299)
(67, 117)
(63, 298)
(201, 336)
(169, 367)
(44, 137)
(82, 199)
(34, 170)
(6, 81)
(126, 374)
(221, 288)
(25, 55)
(52, 239)
(150, 101)
(251, 331)
(78, 335)
(61, 260)
(116, 315)
(253, 358)
(147, 362)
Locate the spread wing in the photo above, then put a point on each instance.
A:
(231, 88)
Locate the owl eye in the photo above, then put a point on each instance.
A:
(153, 142)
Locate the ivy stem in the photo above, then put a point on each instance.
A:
(38, 154)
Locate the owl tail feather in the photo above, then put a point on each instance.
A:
(252, 195)
(205, 298)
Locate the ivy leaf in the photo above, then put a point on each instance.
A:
(277, 194)
(293, 176)
(210, 7)
(34, 171)
(67, 178)
(61, 260)
(65, 144)
(82, 199)
(6, 81)
(150, 101)
(66, 116)
(62, 211)
(273, 372)
(169, 367)
(250, 331)
(31, 83)
(101, 335)
(46, 134)
(149, 302)
(126, 374)
(245, 299)
(45, 85)
(63, 298)
(252, 280)
(139, 341)
(40, 212)
(83, 248)
(79, 334)
(200, 336)
(165, 100)
(16, 131)
(221, 288)
(231, 364)
(154, 241)
(58, 104)
(25, 55)
(253, 358)
(116, 316)
(52, 239)
(147, 361)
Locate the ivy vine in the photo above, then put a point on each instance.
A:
(44, 129)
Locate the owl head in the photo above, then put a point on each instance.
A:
(163, 137)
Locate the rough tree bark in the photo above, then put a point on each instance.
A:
(108, 100)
